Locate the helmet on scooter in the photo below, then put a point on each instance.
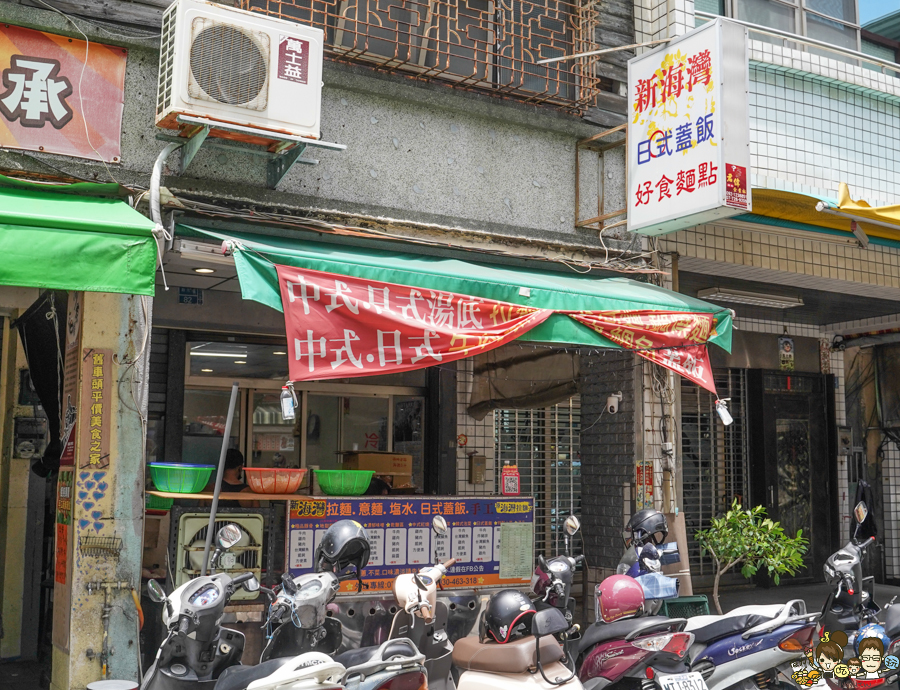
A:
(345, 543)
(507, 617)
(618, 597)
(871, 630)
(647, 526)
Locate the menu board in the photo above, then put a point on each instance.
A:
(401, 539)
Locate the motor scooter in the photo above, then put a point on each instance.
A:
(551, 583)
(423, 619)
(197, 650)
(298, 620)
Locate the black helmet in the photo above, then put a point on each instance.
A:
(345, 543)
(647, 526)
(507, 617)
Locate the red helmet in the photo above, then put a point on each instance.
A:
(619, 596)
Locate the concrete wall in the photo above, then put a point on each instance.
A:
(416, 152)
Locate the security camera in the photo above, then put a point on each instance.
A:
(612, 402)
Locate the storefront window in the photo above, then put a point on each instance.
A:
(237, 360)
(204, 425)
(275, 442)
(323, 431)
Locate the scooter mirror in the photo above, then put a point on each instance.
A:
(251, 585)
(155, 591)
(439, 525)
(228, 536)
(861, 512)
(572, 525)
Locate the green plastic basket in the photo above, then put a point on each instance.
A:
(685, 607)
(158, 503)
(178, 478)
(344, 482)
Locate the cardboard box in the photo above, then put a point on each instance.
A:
(381, 463)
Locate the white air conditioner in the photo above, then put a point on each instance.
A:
(240, 68)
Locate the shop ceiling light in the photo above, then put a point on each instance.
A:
(240, 361)
(279, 352)
(206, 371)
(755, 299)
(202, 253)
(204, 270)
(201, 353)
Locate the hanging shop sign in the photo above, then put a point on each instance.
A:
(492, 539)
(60, 96)
(689, 131)
(644, 483)
(63, 522)
(341, 326)
(675, 340)
(96, 397)
(786, 353)
(68, 413)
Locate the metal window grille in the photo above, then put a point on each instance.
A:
(714, 460)
(545, 445)
(478, 44)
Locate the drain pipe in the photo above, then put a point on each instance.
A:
(159, 231)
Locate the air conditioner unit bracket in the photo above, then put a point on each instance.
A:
(283, 151)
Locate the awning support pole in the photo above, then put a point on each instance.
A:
(221, 471)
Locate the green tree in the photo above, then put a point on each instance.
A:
(747, 538)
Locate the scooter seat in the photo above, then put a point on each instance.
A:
(239, 677)
(619, 630)
(706, 631)
(355, 657)
(512, 657)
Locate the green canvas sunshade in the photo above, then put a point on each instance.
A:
(255, 255)
(53, 237)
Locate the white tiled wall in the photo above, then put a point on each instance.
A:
(655, 19)
(479, 436)
(808, 134)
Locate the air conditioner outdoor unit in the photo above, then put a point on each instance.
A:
(240, 68)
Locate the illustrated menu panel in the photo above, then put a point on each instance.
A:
(402, 541)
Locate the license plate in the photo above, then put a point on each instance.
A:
(683, 681)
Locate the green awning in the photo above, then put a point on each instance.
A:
(255, 255)
(53, 237)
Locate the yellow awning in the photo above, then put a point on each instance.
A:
(880, 221)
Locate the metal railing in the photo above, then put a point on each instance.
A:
(795, 38)
(486, 45)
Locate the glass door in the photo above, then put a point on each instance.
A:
(204, 425)
(274, 441)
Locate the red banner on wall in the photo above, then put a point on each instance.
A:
(340, 326)
(675, 340)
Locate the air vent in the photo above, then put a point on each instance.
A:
(229, 64)
(166, 60)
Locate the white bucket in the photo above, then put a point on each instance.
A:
(112, 685)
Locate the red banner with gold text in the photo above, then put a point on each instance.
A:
(341, 326)
(675, 340)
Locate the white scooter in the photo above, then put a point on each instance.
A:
(423, 619)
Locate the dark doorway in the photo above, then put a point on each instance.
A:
(793, 458)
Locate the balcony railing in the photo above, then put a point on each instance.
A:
(486, 45)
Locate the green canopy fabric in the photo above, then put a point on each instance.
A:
(255, 255)
(53, 237)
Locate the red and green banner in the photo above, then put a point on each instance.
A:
(341, 326)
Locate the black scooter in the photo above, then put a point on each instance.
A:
(197, 649)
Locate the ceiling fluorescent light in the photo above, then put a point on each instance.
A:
(203, 253)
(754, 299)
(218, 354)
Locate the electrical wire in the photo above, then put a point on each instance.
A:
(87, 47)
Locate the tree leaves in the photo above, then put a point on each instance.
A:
(750, 539)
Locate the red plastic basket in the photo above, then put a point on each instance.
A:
(273, 480)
